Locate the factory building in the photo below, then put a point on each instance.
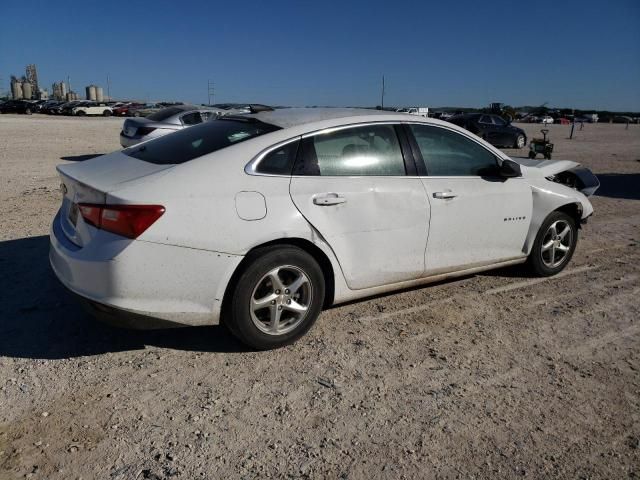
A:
(95, 93)
(32, 77)
(16, 89)
(59, 90)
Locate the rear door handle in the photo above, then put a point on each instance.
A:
(444, 195)
(324, 199)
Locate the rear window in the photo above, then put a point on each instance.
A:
(165, 113)
(194, 142)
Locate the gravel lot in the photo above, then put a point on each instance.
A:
(491, 376)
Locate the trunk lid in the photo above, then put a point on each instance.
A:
(89, 182)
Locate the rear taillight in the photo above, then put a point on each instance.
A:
(127, 220)
(144, 130)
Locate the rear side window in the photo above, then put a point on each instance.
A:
(450, 154)
(485, 119)
(279, 161)
(194, 142)
(371, 150)
(191, 118)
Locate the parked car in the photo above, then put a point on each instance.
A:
(17, 106)
(492, 128)
(66, 108)
(123, 110)
(145, 110)
(546, 120)
(420, 111)
(92, 108)
(48, 105)
(263, 219)
(168, 120)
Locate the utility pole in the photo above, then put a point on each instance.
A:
(108, 88)
(382, 95)
(210, 90)
(68, 83)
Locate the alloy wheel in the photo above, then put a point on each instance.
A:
(281, 300)
(556, 243)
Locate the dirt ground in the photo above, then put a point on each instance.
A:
(498, 375)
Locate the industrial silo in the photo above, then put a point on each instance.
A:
(16, 89)
(99, 94)
(91, 92)
(27, 90)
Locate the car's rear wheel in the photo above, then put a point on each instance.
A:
(81, 113)
(277, 297)
(520, 141)
(554, 245)
(106, 113)
(28, 111)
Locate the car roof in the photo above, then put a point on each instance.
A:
(292, 117)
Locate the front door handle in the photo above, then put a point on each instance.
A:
(444, 195)
(325, 199)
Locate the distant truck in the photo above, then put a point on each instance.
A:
(420, 111)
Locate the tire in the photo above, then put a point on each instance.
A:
(532, 155)
(81, 113)
(136, 114)
(28, 111)
(540, 258)
(106, 113)
(255, 325)
(520, 142)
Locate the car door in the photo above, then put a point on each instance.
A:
(477, 217)
(487, 129)
(350, 184)
(503, 135)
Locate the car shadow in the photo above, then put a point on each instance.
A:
(619, 185)
(81, 158)
(40, 319)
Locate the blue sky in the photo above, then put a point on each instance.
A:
(584, 54)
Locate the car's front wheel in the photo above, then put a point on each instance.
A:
(520, 141)
(554, 245)
(106, 113)
(277, 297)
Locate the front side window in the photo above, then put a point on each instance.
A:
(371, 150)
(485, 119)
(450, 154)
(498, 120)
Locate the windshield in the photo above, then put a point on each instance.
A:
(194, 142)
(165, 113)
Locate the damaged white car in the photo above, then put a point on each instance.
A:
(258, 221)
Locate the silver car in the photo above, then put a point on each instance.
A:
(168, 120)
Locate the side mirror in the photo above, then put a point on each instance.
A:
(510, 169)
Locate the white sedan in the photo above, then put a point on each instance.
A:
(258, 221)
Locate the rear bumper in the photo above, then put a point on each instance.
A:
(142, 284)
